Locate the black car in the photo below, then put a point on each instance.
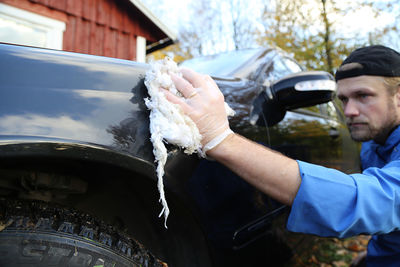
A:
(77, 173)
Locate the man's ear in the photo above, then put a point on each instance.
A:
(398, 96)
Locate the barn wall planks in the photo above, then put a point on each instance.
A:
(98, 27)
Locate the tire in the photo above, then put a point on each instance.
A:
(34, 233)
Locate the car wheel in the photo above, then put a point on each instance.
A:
(34, 233)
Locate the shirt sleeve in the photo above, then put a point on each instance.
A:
(332, 203)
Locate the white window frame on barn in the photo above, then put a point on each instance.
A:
(22, 27)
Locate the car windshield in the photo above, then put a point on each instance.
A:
(221, 64)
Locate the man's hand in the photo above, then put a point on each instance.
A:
(204, 103)
(269, 171)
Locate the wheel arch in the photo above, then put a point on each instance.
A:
(121, 189)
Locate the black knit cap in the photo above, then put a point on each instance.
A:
(376, 60)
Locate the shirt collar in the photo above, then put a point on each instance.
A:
(391, 142)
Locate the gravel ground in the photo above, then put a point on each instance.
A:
(330, 252)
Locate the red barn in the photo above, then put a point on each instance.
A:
(115, 28)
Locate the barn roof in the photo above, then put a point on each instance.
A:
(138, 4)
(171, 35)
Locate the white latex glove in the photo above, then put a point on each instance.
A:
(204, 104)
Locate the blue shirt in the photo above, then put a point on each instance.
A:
(332, 203)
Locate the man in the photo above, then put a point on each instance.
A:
(324, 201)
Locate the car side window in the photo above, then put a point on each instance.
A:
(313, 109)
(327, 110)
(280, 67)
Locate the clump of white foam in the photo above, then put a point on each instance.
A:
(168, 122)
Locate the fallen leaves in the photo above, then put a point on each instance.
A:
(330, 252)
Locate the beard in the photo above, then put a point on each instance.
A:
(365, 131)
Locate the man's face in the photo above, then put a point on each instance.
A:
(371, 112)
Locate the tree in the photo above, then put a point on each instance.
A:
(173, 51)
(389, 34)
(303, 28)
(315, 32)
(214, 27)
(201, 35)
(239, 21)
(310, 29)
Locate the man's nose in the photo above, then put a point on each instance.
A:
(351, 109)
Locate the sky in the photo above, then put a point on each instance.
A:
(360, 20)
(171, 17)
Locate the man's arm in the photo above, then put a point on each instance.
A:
(328, 203)
(272, 173)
